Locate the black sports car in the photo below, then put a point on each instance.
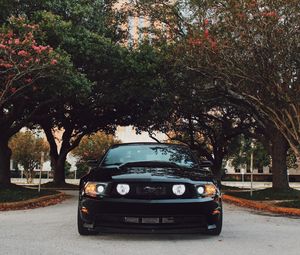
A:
(148, 187)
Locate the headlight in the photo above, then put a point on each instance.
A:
(93, 189)
(200, 190)
(123, 189)
(208, 190)
(178, 189)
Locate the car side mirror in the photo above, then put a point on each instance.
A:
(92, 163)
(206, 163)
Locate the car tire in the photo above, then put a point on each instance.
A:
(81, 229)
(217, 231)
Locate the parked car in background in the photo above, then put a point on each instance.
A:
(149, 187)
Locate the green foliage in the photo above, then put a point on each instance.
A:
(291, 159)
(94, 146)
(14, 193)
(67, 167)
(239, 47)
(241, 154)
(82, 169)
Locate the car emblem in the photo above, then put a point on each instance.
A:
(149, 189)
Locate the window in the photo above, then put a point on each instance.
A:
(141, 26)
(130, 31)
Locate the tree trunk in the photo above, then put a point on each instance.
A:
(58, 164)
(5, 155)
(217, 167)
(279, 166)
(58, 160)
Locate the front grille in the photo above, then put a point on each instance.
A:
(168, 220)
(153, 191)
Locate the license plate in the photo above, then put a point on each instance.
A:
(150, 220)
(131, 219)
(168, 220)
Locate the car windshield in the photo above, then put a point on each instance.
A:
(123, 154)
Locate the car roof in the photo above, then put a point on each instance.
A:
(148, 143)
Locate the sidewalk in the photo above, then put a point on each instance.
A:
(257, 185)
(36, 181)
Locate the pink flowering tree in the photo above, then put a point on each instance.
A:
(25, 65)
(22, 60)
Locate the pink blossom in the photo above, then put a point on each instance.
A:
(7, 65)
(53, 62)
(195, 41)
(22, 53)
(206, 33)
(213, 44)
(36, 49)
(270, 14)
(43, 48)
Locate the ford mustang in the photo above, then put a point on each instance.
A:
(149, 187)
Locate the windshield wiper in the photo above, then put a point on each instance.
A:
(149, 164)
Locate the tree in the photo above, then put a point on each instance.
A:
(264, 34)
(27, 151)
(81, 112)
(22, 60)
(65, 24)
(24, 65)
(241, 47)
(117, 95)
(94, 146)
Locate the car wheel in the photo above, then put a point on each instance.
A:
(217, 231)
(81, 229)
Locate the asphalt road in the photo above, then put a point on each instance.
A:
(52, 230)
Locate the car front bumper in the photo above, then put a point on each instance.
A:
(135, 215)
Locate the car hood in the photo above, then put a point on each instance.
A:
(146, 174)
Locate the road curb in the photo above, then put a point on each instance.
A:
(34, 203)
(261, 206)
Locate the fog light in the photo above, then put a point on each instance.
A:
(100, 189)
(216, 212)
(84, 210)
(200, 190)
(123, 189)
(178, 189)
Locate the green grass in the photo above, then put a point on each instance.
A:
(290, 204)
(14, 193)
(268, 194)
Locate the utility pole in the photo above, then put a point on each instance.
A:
(41, 169)
(251, 168)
